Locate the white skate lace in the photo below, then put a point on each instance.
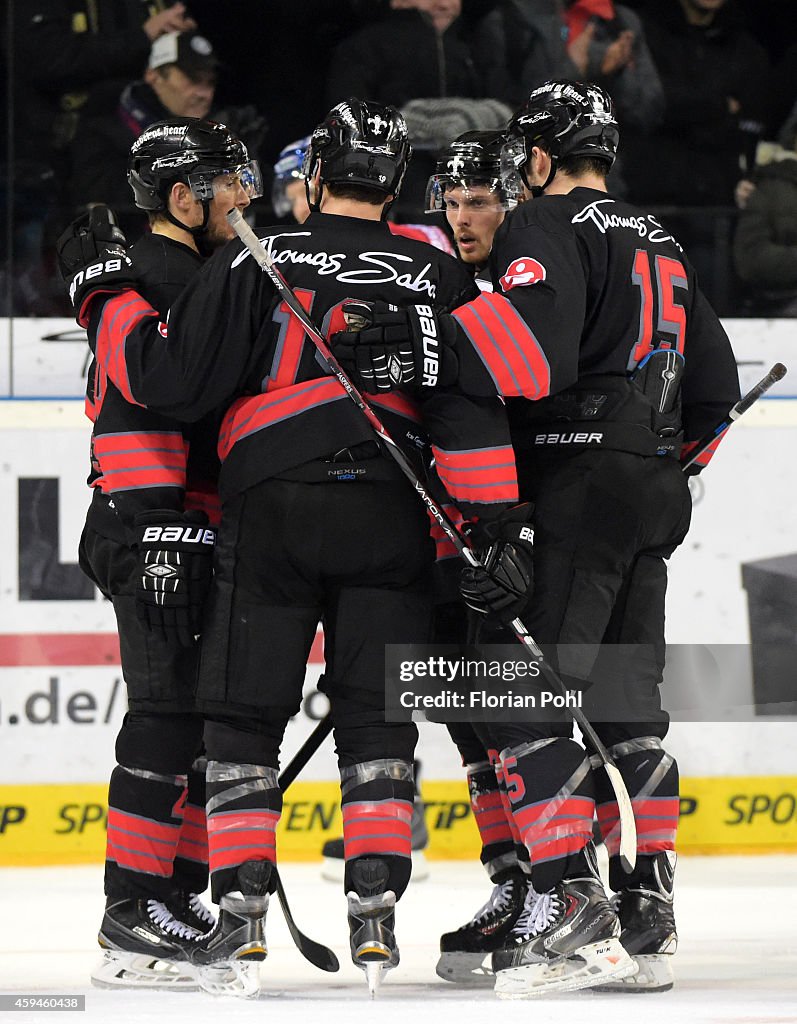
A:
(500, 899)
(160, 915)
(540, 910)
(197, 907)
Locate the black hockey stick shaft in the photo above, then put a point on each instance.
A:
(778, 372)
(252, 243)
(305, 752)
(318, 955)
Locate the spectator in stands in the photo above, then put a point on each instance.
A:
(63, 49)
(714, 76)
(783, 93)
(58, 53)
(526, 42)
(418, 58)
(765, 244)
(416, 51)
(180, 80)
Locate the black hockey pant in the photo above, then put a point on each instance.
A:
(157, 837)
(357, 557)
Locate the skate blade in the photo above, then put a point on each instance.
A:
(471, 969)
(654, 975)
(374, 975)
(239, 978)
(332, 868)
(605, 960)
(118, 969)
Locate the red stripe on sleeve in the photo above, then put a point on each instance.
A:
(397, 403)
(248, 415)
(443, 546)
(506, 345)
(132, 459)
(120, 315)
(481, 475)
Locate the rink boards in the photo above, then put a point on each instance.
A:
(62, 697)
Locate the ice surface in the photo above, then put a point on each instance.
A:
(737, 919)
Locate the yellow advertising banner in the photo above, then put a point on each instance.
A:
(65, 824)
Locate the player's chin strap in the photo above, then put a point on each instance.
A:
(198, 233)
(538, 190)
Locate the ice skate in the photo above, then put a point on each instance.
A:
(648, 930)
(227, 959)
(146, 946)
(189, 908)
(372, 922)
(564, 940)
(465, 953)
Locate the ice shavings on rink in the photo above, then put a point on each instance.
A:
(737, 962)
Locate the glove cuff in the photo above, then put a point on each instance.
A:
(435, 336)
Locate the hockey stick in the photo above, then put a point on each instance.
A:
(252, 243)
(318, 955)
(778, 372)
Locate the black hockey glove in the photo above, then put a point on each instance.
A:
(175, 564)
(501, 586)
(92, 258)
(388, 347)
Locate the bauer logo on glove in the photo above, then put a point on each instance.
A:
(175, 568)
(92, 257)
(386, 347)
(186, 534)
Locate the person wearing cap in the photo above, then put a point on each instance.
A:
(179, 81)
(181, 71)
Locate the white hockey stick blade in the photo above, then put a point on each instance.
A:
(627, 823)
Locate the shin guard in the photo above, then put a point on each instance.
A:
(550, 789)
(244, 803)
(651, 777)
(493, 817)
(145, 818)
(191, 861)
(376, 803)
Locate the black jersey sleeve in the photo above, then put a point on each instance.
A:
(196, 361)
(711, 380)
(522, 340)
(473, 454)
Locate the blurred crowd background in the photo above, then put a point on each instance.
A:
(705, 90)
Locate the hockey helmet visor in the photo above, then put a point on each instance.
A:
(473, 166)
(288, 168)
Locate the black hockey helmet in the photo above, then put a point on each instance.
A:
(569, 119)
(188, 149)
(359, 143)
(473, 159)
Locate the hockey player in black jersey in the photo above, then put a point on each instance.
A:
(469, 188)
(317, 523)
(149, 475)
(613, 366)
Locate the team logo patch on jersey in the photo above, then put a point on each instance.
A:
(521, 272)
